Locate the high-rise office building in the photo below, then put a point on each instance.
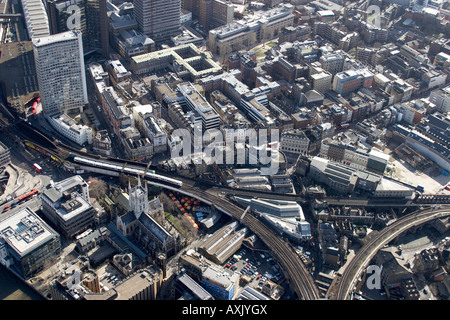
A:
(60, 72)
(210, 13)
(158, 19)
(88, 16)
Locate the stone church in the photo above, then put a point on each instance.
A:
(139, 226)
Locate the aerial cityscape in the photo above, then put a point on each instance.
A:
(225, 150)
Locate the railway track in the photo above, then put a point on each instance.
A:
(365, 254)
(299, 278)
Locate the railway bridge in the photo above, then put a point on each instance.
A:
(299, 278)
(344, 284)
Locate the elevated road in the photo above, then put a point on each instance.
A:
(347, 281)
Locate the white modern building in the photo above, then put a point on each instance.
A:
(67, 206)
(286, 216)
(27, 243)
(73, 131)
(198, 104)
(345, 179)
(60, 72)
(156, 134)
(434, 78)
(441, 98)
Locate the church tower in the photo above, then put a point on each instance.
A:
(138, 197)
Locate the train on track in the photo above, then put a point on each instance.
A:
(150, 174)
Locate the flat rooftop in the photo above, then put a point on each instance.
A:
(222, 277)
(24, 231)
(136, 283)
(187, 55)
(202, 106)
(63, 36)
(69, 183)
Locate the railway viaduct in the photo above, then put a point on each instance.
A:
(299, 278)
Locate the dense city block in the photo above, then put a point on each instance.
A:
(225, 150)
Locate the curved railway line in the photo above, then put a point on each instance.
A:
(299, 278)
(295, 271)
(365, 254)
